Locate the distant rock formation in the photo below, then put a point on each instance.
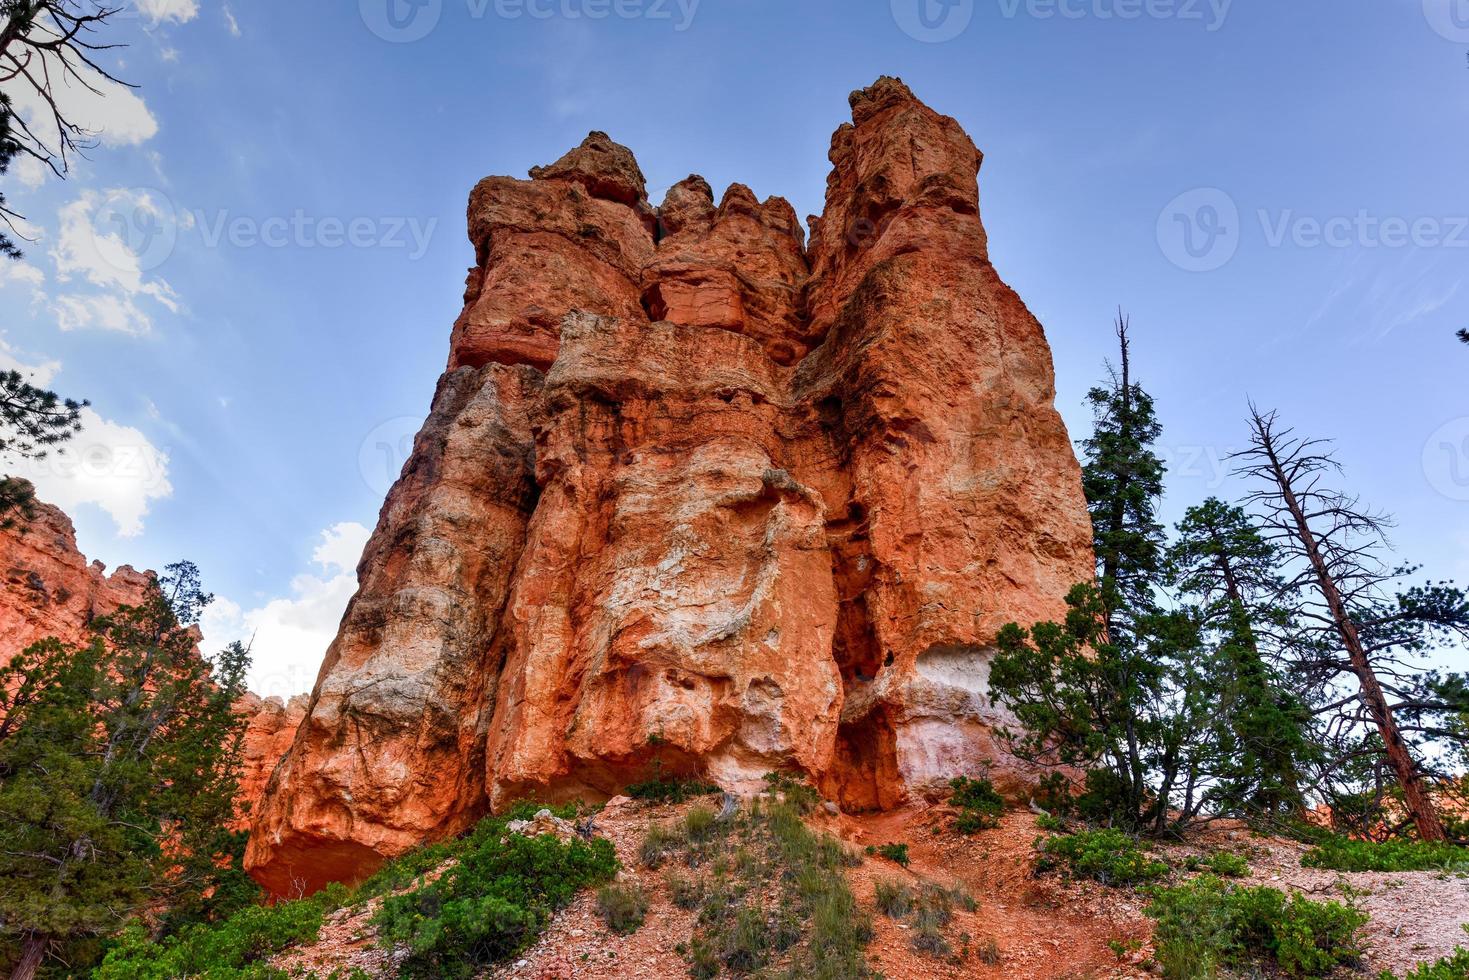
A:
(700, 495)
(51, 591)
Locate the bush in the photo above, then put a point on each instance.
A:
(623, 907)
(896, 853)
(893, 900)
(1348, 854)
(671, 790)
(1207, 925)
(979, 806)
(235, 949)
(494, 902)
(684, 892)
(1221, 863)
(1108, 856)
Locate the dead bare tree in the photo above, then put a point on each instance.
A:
(46, 45)
(1334, 547)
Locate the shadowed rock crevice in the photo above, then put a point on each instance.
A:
(699, 494)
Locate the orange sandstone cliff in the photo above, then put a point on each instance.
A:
(697, 493)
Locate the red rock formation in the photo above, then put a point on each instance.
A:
(270, 727)
(51, 591)
(694, 491)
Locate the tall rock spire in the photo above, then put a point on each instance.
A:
(698, 494)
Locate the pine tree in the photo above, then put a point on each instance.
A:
(1122, 688)
(118, 774)
(32, 421)
(1123, 482)
(1334, 548)
(1220, 558)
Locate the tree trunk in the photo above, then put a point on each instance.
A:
(32, 953)
(1415, 798)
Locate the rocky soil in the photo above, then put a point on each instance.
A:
(1042, 927)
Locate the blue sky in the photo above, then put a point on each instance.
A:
(254, 275)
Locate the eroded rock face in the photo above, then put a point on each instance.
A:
(50, 590)
(698, 494)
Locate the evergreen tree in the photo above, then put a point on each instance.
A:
(118, 776)
(1123, 688)
(1220, 559)
(32, 421)
(1123, 481)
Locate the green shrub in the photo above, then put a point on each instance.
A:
(1348, 854)
(700, 824)
(658, 843)
(896, 853)
(235, 949)
(623, 907)
(683, 891)
(666, 790)
(979, 806)
(798, 794)
(893, 900)
(1050, 824)
(1108, 856)
(1207, 925)
(1222, 863)
(494, 902)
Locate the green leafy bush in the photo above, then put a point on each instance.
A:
(1108, 856)
(494, 902)
(1207, 925)
(1349, 854)
(896, 853)
(979, 806)
(1222, 863)
(667, 790)
(235, 949)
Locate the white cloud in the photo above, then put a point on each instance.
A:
(291, 633)
(111, 240)
(113, 112)
(107, 465)
(20, 272)
(232, 25)
(178, 11)
(37, 374)
(31, 172)
(104, 312)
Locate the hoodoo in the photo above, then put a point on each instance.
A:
(698, 494)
